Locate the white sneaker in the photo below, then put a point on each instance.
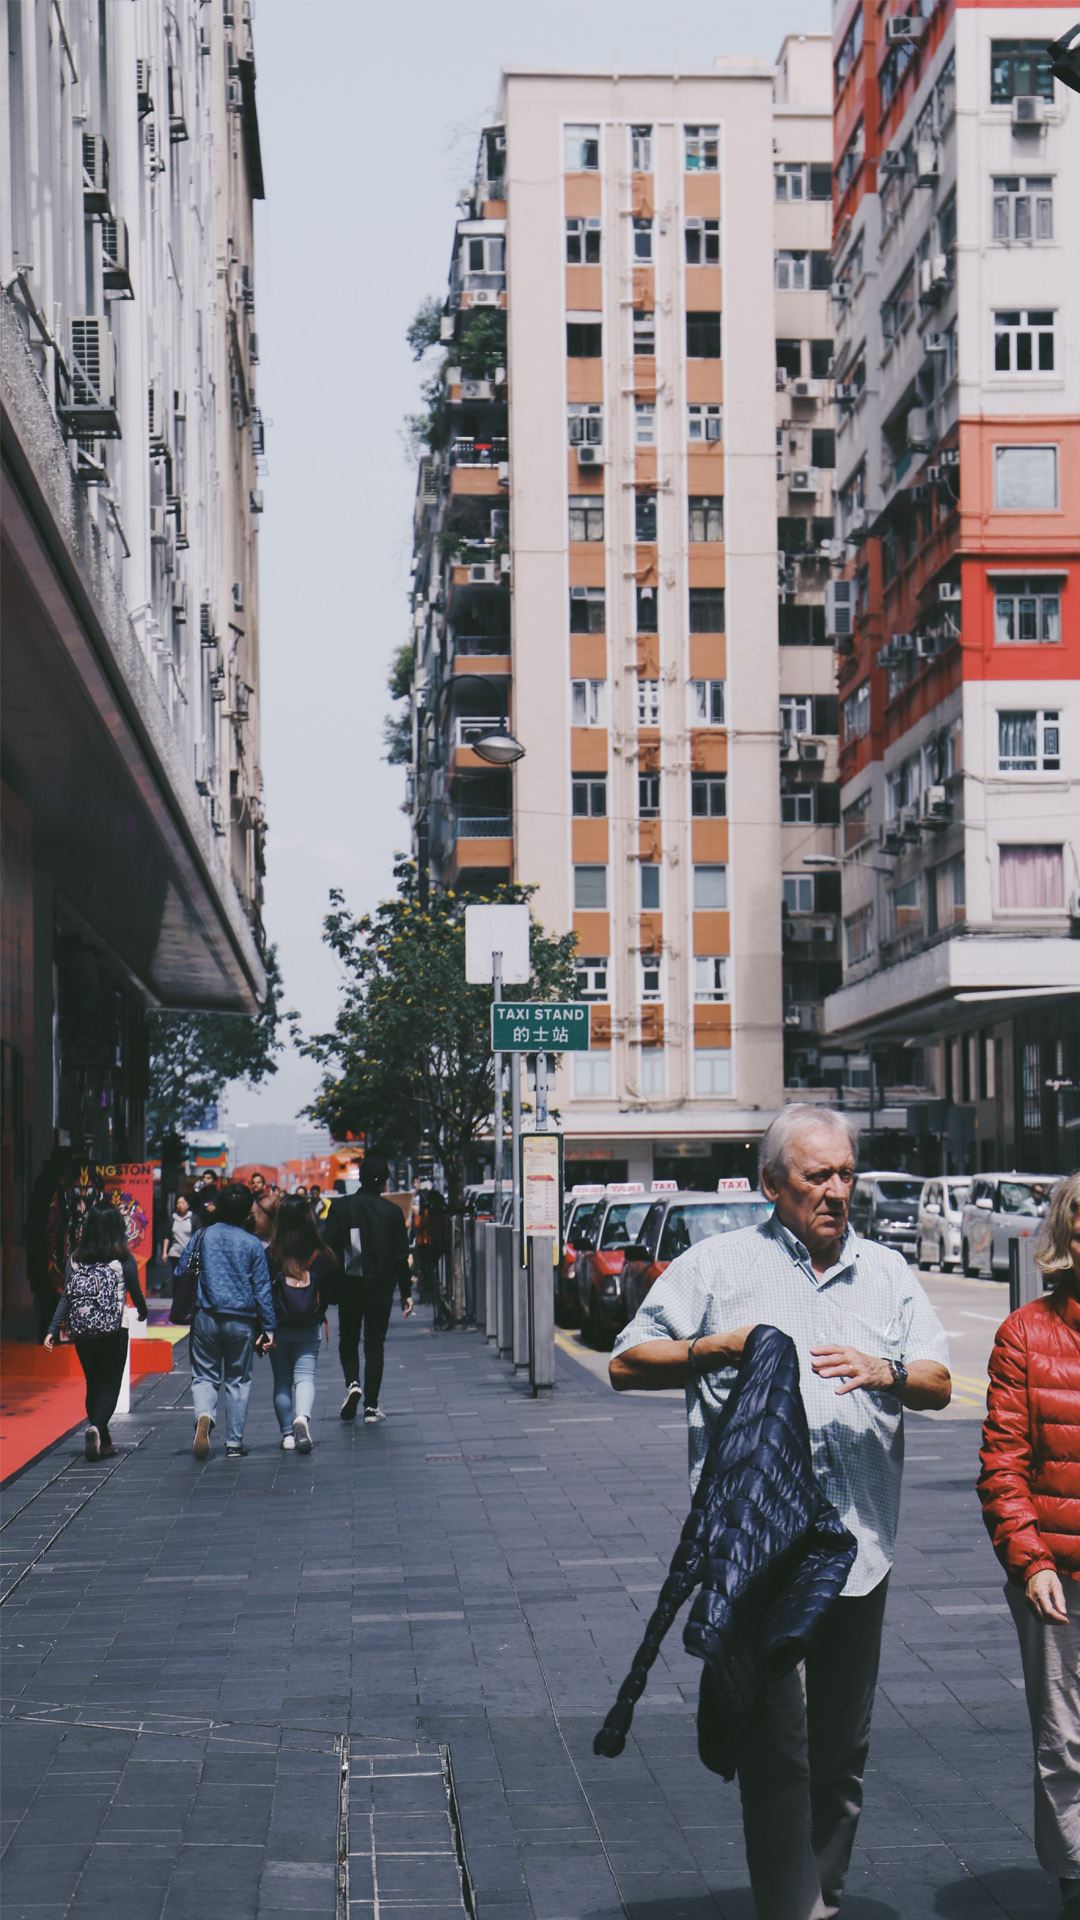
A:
(351, 1402)
(303, 1436)
(288, 1443)
(372, 1414)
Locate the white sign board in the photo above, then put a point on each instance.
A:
(502, 930)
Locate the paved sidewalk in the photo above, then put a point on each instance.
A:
(222, 1682)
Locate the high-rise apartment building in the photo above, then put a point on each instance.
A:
(132, 815)
(957, 256)
(596, 560)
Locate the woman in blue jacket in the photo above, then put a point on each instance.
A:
(234, 1317)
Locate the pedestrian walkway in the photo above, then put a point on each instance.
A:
(365, 1682)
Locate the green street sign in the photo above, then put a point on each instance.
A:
(518, 1027)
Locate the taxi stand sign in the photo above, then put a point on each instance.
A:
(527, 1027)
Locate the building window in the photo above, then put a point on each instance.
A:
(592, 1076)
(1019, 67)
(710, 977)
(945, 896)
(796, 714)
(859, 935)
(706, 703)
(790, 179)
(648, 788)
(586, 516)
(703, 243)
(900, 305)
(588, 703)
(1027, 610)
(796, 806)
(798, 892)
(648, 703)
(789, 358)
(823, 447)
(792, 271)
(592, 978)
(705, 423)
(706, 517)
(856, 821)
(708, 796)
(585, 426)
(651, 969)
(851, 159)
(586, 609)
(821, 353)
(649, 885)
(584, 340)
(855, 713)
(710, 889)
(645, 518)
(850, 48)
(906, 908)
(641, 149)
(581, 149)
(589, 796)
(1032, 878)
(644, 423)
(652, 1070)
(1029, 742)
(643, 241)
(1031, 1087)
(706, 609)
(1026, 479)
(712, 1070)
(647, 610)
(583, 243)
(1023, 208)
(590, 889)
(1024, 340)
(802, 626)
(644, 334)
(702, 149)
(703, 336)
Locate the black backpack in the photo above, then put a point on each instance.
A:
(296, 1306)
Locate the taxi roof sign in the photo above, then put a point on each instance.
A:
(588, 1190)
(625, 1186)
(733, 1186)
(665, 1186)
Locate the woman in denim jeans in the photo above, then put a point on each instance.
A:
(234, 1317)
(299, 1259)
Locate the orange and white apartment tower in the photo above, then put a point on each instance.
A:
(957, 300)
(596, 542)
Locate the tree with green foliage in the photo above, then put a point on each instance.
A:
(410, 1050)
(397, 727)
(193, 1056)
(424, 329)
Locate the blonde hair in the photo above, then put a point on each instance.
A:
(1052, 1254)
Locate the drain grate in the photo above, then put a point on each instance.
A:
(403, 1835)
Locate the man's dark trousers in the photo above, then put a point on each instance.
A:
(364, 1308)
(801, 1766)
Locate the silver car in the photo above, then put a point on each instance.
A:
(938, 1223)
(1001, 1207)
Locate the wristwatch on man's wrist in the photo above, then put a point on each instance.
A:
(899, 1376)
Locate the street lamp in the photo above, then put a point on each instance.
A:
(498, 747)
(1065, 58)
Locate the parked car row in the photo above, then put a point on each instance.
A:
(952, 1221)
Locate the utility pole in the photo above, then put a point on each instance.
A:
(496, 994)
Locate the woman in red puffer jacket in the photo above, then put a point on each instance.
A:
(1030, 1492)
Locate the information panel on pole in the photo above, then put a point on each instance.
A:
(519, 1026)
(542, 1185)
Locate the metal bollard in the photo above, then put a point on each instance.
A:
(1025, 1278)
(491, 1283)
(521, 1309)
(505, 1305)
(541, 1313)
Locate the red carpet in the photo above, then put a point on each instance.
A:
(43, 1395)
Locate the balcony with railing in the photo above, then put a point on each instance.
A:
(468, 450)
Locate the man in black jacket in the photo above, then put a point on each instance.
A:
(371, 1240)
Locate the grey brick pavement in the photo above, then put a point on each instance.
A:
(190, 1654)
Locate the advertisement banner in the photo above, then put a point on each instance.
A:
(130, 1186)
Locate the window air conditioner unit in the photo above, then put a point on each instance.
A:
(159, 525)
(142, 88)
(905, 31)
(926, 163)
(179, 600)
(926, 283)
(782, 377)
(929, 645)
(933, 473)
(939, 270)
(483, 297)
(177, 123)
(950, 457)
(805, 389)
(177, 506)
(504, 473)
(157, 421)
(935, 807)
(949, 591)
(920, 433)
(590, 456)
(95, 173)
(846, 393)
(884, 656)
(1028, 110)
(255, 499)
(234, 96)
(90, 407)
(804, 480)
(476, 390)
(839, 609)
(903, 643)
(892, 160)
(115, 257)
(484, 576)
(890, 837)
(812, 751)
(909, 825)
(935, 343)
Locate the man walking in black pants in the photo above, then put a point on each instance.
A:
(370, 1238)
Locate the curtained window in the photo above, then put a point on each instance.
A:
(1032, 877)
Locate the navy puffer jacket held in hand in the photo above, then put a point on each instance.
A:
(767, 1550)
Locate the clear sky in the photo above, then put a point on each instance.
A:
(369, 114)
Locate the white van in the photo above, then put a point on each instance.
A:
(938, 1224)
(1001, 1207)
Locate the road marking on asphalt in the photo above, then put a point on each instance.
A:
(969, 1313)
(984, 1606)
(616, 1560)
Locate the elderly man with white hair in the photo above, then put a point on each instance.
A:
(869, 1344)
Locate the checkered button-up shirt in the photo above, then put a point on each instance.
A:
(869, 1300)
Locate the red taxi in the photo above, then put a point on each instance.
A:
(582, 1203)
(678, 1221)
(616, 1225)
